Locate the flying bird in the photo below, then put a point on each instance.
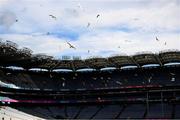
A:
(48, 33)
(52, 16)
(71, 46)
(88, 24)
(157, 39)
(88, 51)
(97, 16)
(165, 43)
(16, 20)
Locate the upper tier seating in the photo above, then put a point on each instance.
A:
(92, 80)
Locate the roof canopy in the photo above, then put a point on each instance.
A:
(10, 55)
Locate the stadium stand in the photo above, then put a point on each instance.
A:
(92, 80)
(121, 93)
(8, 113)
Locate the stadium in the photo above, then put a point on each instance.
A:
(89, 59)
(124, 92)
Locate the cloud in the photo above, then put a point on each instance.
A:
(3, 2)
(7, 19)
(106, 43)
(39, 43)
(137, 21)
(152, 15)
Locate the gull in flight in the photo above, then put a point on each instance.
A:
(54, 17)
(88, 24)
(157, 39)
(71, 46)
(165, 43)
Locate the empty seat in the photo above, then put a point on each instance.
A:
(177, 111)
(88, 112)
(108, 112)
(159, 111)
(133, 111)
(72, 111)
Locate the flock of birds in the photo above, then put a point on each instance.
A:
(157, 39)
(71, 46)
(88, 25)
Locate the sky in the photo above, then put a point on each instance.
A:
(98, 28)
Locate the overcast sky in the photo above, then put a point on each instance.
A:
(94, 27)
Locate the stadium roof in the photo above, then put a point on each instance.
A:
(10, 55)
